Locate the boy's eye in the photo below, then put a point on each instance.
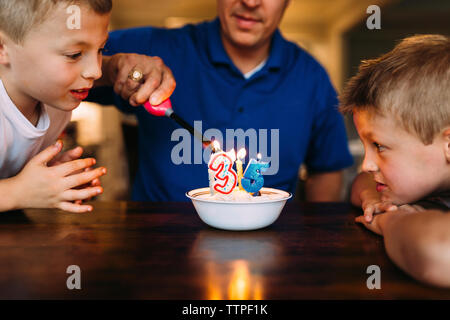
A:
(379, 147)
(74, 56)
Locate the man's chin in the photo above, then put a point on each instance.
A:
(246, 40)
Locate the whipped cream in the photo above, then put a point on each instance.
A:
(242, 196)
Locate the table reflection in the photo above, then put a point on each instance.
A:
(234, 263)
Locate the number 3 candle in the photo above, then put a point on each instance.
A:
(221, 163)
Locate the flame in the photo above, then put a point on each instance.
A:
(241, 153)
(216, 145)
(232, 155)
(259, 156)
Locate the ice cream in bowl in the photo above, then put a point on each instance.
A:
(237, 200)
(238, 210)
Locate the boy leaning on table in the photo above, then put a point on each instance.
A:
(401, 109)
(46, 69)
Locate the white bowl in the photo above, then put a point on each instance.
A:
(238, 216)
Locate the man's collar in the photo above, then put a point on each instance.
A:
(276, 51)
(218, 54)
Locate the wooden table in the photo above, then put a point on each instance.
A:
(164, 251)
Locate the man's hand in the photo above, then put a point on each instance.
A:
(41, 186)
(157, 85)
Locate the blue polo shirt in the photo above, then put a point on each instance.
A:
(290, 97)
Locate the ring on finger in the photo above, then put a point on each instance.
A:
(136, 75)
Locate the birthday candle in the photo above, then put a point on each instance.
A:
(215, 148)
(222, 165)
(253, 181)
(240, 155)
(211, 181)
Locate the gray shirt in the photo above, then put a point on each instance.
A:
(440, 201)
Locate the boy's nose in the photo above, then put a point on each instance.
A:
(92, 70)
(368, 164)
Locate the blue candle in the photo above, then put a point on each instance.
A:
(253, 180)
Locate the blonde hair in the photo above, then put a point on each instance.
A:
(17, 17)
(411, 83)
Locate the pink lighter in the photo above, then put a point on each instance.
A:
(163, 109)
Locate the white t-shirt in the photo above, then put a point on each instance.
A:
(255, 70)
(19, 139)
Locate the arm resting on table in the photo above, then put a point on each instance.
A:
(419, 243)
(8, 194)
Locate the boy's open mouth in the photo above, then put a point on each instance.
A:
(80, 94)
(381, 187)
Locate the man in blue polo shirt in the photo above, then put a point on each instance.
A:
(235, 72)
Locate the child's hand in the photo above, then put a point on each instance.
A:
(67, 156)
(411, 208)
(374, 225)
(372, 204)
(379, 220)
(41, 186)
(71, 155)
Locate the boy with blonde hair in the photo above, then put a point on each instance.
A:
(47, 66)
(401, 109)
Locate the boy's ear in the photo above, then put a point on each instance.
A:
(446, 137)
(3, 52)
